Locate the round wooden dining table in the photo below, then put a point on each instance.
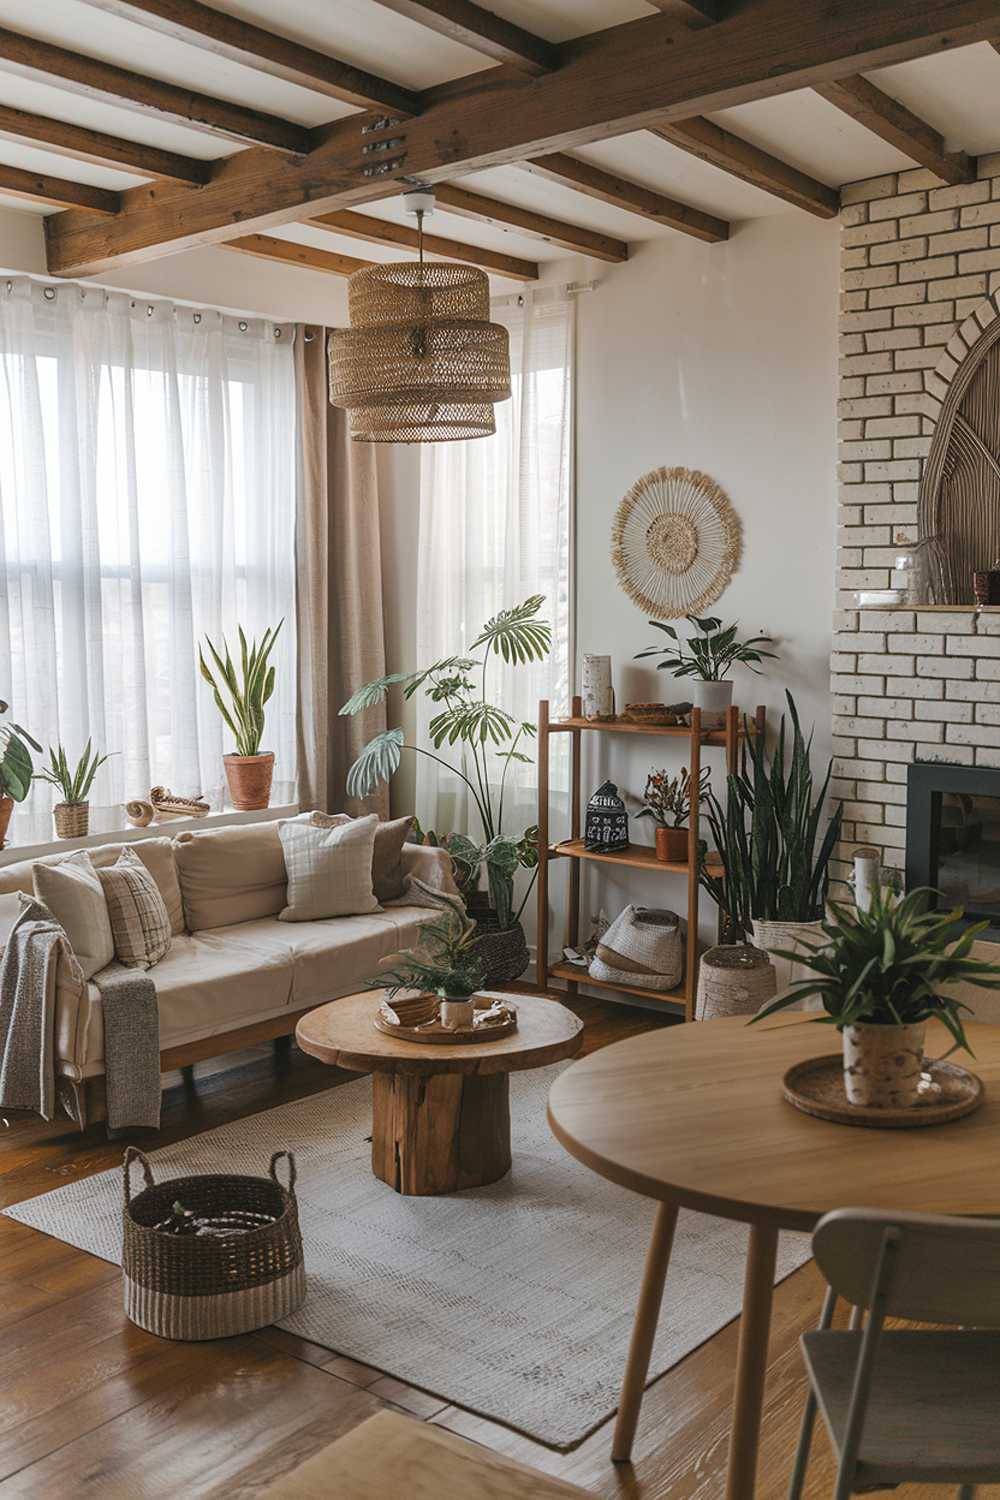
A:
(693, 1116)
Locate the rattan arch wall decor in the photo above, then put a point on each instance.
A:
(676, 542)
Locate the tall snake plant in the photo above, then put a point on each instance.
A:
(248, 692)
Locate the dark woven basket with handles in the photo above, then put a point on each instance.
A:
(204, 1287)
(502, 950)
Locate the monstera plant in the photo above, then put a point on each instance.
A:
(479, 733)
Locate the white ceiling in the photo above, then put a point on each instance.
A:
(957, 92)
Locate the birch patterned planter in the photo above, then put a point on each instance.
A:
(883, 1064)
(598, 693)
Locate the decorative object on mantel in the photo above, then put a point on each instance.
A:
(194, 1286)
(867, 874)
(421, 361)
(72, 814)
(734, 979)
(881, 975)
(606, 824)
(706, 658)
(166, 805)
(986, 584)
(657, 715)
(945, 1092)
(139, 813)
(641, 948)
(598, 692)
(493, 1019)
(879, 598)
(249, 772)
(16, 769)
(667, 800)
(675, 542)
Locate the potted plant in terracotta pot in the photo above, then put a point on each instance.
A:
(706, 658)
(879, 974)
(445, 964)
(16, 769)
(72, 814)
(250, 770)
(667, 800)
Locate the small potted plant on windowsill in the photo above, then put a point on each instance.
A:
(668, 803)
(250, 770)
(879, 974)
(706, 658)
(444, 964)
(16, 769)
(72, 814)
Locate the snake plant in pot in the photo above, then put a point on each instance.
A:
(250, 770)
(72, 813)
(16, 769)
(879, 975)
(488, 741)
(773, 885)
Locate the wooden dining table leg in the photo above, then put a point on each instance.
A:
(751, 1363)
(644, 1331)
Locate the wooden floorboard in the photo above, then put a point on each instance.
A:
(92, 1408)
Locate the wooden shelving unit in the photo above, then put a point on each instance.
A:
(637, 857)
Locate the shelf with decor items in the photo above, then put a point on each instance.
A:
(636, 856)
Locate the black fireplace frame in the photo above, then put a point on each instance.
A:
(926, 783)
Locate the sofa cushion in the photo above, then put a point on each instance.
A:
(72, 892)
(329, 869)
(156, 854)
(230, 875)
(139, 922)
(387, 859)
(342, 954)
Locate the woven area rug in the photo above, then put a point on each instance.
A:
(514, 1301)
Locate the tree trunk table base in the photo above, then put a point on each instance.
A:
(440, 1132)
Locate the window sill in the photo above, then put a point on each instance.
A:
(14, 853)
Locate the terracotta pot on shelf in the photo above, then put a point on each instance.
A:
(249, 778)
(672, 845)
(6, 808)
(883, 1064)
(72, 819)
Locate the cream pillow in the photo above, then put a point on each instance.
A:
(329, 869)
(388, 880)
(140, 922)
(73, 894)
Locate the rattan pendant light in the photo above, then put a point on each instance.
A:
(421, 361)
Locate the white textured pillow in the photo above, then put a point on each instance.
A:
(73, 894)
(329, 869)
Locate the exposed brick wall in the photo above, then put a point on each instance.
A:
(920, 281)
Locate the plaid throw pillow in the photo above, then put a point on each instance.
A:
(329, 869)
(140, 923)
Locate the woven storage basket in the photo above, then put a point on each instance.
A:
(503, 951)
(643, 947)
(72, 819)
(194, 1287)
(734, 979)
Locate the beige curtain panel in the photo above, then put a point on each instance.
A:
(341, 639)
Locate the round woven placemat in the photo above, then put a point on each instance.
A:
(816, 1087)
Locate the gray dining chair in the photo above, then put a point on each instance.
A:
(906, 1405)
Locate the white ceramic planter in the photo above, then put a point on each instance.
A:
(883, 1064)
(788, 935)
(713, 698)
(598, 693)
(456, 1014)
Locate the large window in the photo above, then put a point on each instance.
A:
(147, 474)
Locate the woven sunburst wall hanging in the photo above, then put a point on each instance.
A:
(676, 542)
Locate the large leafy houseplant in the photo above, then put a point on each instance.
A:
(468, 721)
(250, 770)
(709, 655)
(775, 865)
(16, 768)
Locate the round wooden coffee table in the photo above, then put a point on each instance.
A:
(440, 1114)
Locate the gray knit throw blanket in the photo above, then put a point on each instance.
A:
(131, 1048)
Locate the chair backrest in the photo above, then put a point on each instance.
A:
(944, 1270)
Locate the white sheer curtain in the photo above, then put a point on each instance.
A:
(495, 521)
(147, 470)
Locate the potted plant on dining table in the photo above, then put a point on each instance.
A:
(880, 975)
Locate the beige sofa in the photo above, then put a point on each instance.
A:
(234, 974)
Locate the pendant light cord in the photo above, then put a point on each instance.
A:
(420, 334)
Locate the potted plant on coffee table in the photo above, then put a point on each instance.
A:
(250, 770)
(16, 769)
(706, 658)
(667, 800)
(445, 964)
(483, 734)
(72, 814)
(879, 974)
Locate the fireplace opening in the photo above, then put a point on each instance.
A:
(953, 838)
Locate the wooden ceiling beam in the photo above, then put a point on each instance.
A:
(899, 126)
(38, 187)
(455, 199)
(240, 41)
(482, 30)
(93, 79)
(709, 142)
(699, 12)
(101, 149)
(306, 257)
(383, 232)
(608, 187)
(632, 77)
